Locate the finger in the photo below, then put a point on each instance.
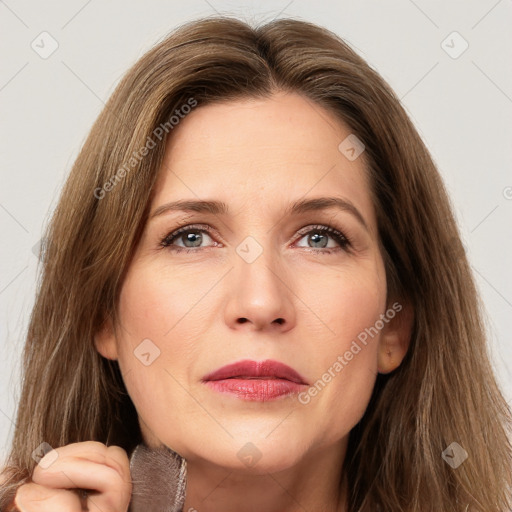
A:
(78, 473)
(108, 477)
(117, 456)
(33, 497)
(112, 492)
(113, 456)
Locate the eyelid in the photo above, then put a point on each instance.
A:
(344, 241)
(188, 227)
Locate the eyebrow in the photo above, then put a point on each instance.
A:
(301, 206)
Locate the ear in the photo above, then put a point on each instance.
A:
(105, 340)
(395, 338)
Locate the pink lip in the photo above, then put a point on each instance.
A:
(256, 381)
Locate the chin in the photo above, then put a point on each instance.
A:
(249, 454)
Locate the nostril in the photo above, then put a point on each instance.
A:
(280, 321)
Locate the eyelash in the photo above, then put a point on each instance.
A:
(344, 241)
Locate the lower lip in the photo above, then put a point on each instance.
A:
(259, 390)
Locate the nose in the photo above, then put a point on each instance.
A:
(261, 295)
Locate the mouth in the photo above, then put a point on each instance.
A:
(256, 381)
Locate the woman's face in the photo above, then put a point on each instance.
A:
(258, 281)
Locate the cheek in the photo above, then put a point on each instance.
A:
(351, 306)
(158, 305)
(347, 303)
(162, 318)
(148, 305)
(150, 309)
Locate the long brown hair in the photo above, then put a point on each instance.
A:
(444, 391)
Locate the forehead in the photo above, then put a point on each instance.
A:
(261, 153)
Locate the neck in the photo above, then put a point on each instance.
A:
(315, 483)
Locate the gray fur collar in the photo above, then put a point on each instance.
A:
(159, 480)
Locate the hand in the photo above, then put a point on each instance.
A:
(103, 471)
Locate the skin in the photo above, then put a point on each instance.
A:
(258, 156)
(91, 465)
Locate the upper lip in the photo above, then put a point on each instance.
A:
(248, 368)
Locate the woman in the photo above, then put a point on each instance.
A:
(255, 297)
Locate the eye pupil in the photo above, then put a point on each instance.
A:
(195, 238)
(315, 238)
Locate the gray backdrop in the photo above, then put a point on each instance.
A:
(448, 61)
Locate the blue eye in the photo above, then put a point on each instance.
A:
(320, 235)
(192, 237)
